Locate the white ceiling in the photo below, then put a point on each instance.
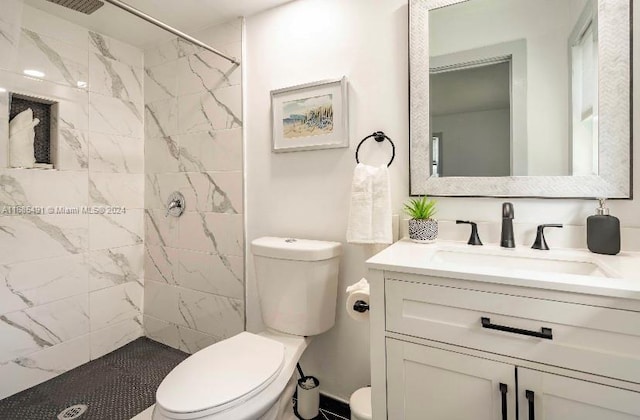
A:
(185, 15)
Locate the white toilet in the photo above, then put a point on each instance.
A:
(253, 376)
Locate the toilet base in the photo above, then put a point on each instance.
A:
(283, 408)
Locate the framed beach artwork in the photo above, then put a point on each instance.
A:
(310, 116)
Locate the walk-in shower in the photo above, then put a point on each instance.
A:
(132, 110)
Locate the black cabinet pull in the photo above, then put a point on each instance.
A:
(503, 391)
(545, 333)
(532, 408)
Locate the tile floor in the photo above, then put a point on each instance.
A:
(118, 386)
(114, 387)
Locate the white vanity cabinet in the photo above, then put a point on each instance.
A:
(428, 383)
(454, 347)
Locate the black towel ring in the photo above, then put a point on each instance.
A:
(378, 136)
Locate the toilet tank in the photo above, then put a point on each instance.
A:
(297, 283)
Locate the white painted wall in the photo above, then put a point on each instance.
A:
(306, 193)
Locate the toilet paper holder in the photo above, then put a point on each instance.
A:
(361, 306)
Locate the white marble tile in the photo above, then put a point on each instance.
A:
(111, 267)
(211, 232)
(211, 151)
(223, 34)
(10, 25)
(178, 337)
(115, 116)
(211, 273)
(4, 102)
(4, 129)
(161, 82)
(115, 189)
(161, 155)
(218, 316)
(161, 53)
(73, 113)
(4, 142)
(60, 62)
(33, 329)
(160, 264)
(211, 110)
(220, 36)
(31, 370)
(153, 187)
(115, 336)
(115, 50)
(42, 188)
(113, 78)
(70, 151)
(33, 283)
(115, 304)
(55, 236)
(116, 230)
(161, 118)
(218, 192)
(52, 26)
(160, 229)
(114, 154)
(207, 71)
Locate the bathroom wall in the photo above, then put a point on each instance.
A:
(194, 264)
(70, 281)
(306, 194)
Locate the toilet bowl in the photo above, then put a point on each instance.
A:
(253, 376)
(244, 377)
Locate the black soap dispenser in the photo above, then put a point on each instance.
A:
(603, 231)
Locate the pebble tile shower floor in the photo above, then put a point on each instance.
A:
(116, 386)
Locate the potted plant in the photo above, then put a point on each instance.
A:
(422, 226)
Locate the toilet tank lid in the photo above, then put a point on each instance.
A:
(295, 249)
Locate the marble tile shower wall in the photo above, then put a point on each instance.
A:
(194, 264)
(71, 285)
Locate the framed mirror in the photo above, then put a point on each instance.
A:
(520, 98)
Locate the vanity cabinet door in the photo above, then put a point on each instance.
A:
(545, 396)
(428, 383)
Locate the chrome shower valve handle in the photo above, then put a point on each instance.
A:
(175, 204)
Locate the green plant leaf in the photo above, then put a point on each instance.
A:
(420, 208)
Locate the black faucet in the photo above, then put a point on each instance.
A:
(474, 239)
(540, 242)
(506, 239)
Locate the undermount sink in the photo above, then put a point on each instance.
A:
(515, 262)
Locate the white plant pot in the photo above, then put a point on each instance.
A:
(423, 230)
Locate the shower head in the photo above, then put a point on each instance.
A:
(84, 6)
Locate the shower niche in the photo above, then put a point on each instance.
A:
(32, 134)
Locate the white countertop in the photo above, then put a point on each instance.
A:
(622, 271)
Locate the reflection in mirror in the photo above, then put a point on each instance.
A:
(514, 88)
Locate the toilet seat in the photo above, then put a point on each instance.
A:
(240, 367)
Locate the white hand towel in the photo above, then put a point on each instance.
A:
(21, 137)
(370, 219)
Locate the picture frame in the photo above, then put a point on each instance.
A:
(311, 116)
